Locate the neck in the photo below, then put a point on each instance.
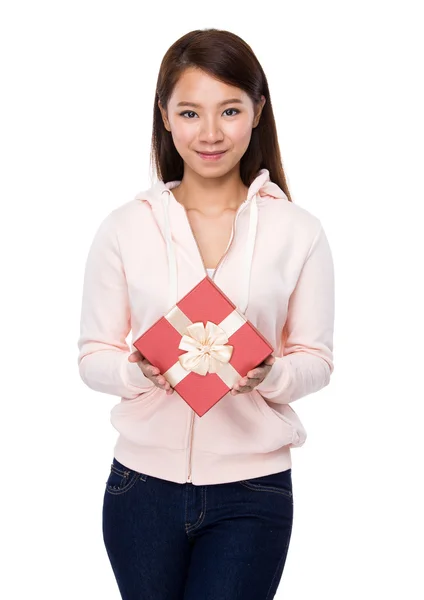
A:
(210, 195)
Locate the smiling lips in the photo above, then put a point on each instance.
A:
(211, 156)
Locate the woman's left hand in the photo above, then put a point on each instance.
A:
(253, 377)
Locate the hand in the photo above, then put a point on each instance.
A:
(253, 377)
(151, 372)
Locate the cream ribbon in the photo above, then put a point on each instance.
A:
(181, 323)
(207, 348)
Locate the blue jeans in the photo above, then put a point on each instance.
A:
(172, 541)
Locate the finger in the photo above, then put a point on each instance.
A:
(247, 384)
(161, 380)
(258, 372)
(146, 366)
(241, 390)
(144, 361)
(255, 373)
(246, 387)
(164, 384)
(249, 381)
(150, 370)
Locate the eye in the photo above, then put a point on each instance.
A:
(234, 109)
(187, 111)
(193, 113)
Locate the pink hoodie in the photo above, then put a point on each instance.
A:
(277, 269)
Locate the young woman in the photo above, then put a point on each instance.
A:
(202, 508)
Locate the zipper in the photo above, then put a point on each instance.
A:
(233, 229)
(190, 447)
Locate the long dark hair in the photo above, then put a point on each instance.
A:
(230, 59)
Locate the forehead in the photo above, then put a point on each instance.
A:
(199, 87)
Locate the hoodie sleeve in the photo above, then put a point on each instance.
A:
(307, 357)
(106, 321)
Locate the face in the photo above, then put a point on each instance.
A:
(201, 119)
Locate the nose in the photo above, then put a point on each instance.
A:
(210, 131)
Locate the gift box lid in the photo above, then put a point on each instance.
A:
(204, 309)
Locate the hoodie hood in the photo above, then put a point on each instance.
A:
(158, 196)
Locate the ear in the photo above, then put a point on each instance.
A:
(259, 112)
(164, 116)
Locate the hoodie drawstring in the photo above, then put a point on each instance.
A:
(248, 256)
(247, 262)
(170, 251)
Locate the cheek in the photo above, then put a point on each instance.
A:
(182, 136)
(240, 133)
(183, 133)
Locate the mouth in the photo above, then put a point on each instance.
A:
(211, 155)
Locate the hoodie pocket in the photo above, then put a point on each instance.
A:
(153, 419)
(243, 424)
(286, 414)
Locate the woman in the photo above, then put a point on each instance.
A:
(202, 508)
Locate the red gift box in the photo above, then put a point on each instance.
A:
(203, 346)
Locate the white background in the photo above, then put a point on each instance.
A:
(78, 81)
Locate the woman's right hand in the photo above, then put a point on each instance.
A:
(151, 372)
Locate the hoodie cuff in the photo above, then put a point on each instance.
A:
(278, 378)
(135, 376)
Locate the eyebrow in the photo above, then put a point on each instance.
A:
(229, 101)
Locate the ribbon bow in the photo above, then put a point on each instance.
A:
(206, 348)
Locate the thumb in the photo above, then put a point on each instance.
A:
(270, 360)
(135, 356)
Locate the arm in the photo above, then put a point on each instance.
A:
(106, 321)
(307, 350)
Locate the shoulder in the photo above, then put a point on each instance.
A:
(281, 214)
(118, 224)
(123, 216)
(126, 211)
